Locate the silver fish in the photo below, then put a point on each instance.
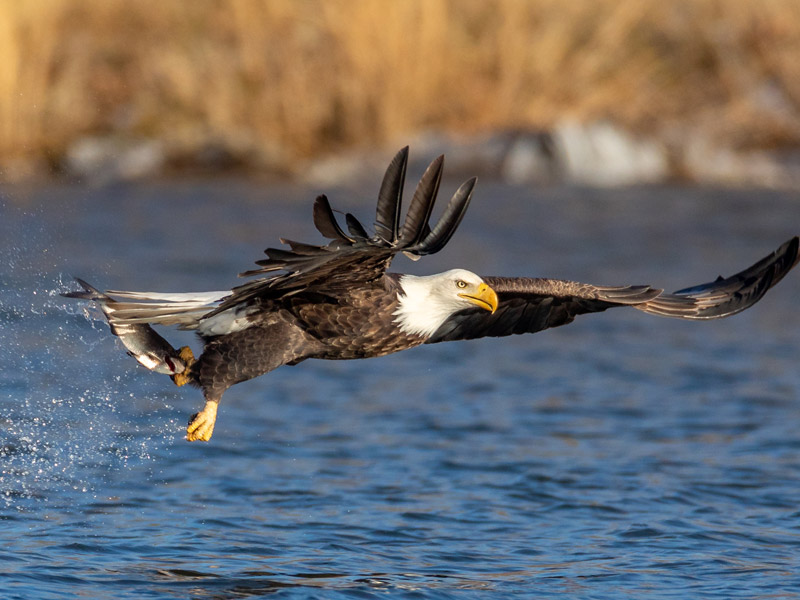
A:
(142, 342)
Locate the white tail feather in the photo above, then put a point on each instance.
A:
(193, 297)
(183, 309)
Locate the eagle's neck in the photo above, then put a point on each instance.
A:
(419, 311)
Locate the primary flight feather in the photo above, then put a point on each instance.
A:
(338, 301)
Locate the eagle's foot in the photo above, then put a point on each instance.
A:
(182, 378)
(201, 425)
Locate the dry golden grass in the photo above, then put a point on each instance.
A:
(313, 76)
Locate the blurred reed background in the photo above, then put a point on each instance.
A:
(307, 78)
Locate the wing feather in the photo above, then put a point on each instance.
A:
(300, 247)
(415, 227)
(449, 221)
(325, 220)
(355, 227)
(387, 218)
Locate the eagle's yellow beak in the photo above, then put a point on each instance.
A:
(485, 297)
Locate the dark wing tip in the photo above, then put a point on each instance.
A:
(325, 221)
(727, 296)
(355, 227)
(415, 227)
(437, 238)
(387, 214)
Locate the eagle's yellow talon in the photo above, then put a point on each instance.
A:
(186, 355)
(201, 425)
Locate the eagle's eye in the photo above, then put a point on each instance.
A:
(461, 284)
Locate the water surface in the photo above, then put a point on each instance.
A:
(622, 456)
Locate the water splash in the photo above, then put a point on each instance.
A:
(65, 388)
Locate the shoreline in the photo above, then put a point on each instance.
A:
(596, 154)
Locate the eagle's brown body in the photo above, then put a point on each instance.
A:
(353, 325)
(338, 302)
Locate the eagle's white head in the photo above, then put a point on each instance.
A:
(427, 302)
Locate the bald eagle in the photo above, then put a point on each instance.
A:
(338, 301)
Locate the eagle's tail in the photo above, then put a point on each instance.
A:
(182, 309)
(129, 322)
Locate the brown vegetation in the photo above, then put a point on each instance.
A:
(313, 76)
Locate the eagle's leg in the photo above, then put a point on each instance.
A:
(239, 356)
(214, 372)
(201, 425)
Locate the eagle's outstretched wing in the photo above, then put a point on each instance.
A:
(353, 256)
(531, 305)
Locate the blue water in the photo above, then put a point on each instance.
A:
(621, 456)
